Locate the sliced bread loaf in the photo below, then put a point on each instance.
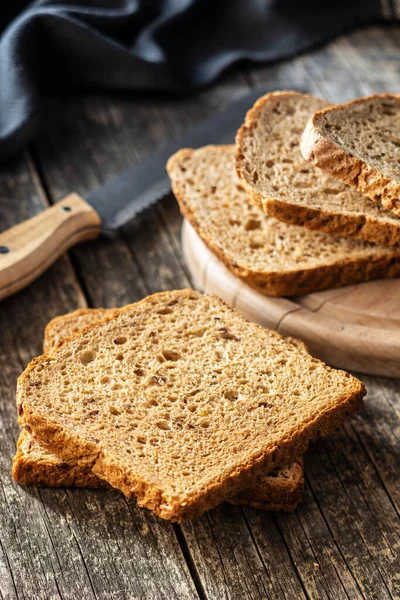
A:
(179, 400)
(359, 142)
(274, 258)
(33, 464)
(285, 186)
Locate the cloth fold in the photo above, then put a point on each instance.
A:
(171, 45)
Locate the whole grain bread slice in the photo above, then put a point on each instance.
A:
(179, 400)
(359, 143)
(274, 258)
(33, 464)
(285, 186)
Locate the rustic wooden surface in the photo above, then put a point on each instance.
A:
(343, 541)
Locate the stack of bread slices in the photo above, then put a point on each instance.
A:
(177, 399)
(283, 225)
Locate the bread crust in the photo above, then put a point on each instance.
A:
(331, 158)
(360, 226)
(62, 441)
(302, 281)
(48, 470)
(280, 495)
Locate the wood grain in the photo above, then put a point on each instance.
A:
(80, 544)
(373, 304)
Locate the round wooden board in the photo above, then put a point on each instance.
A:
(356, 328)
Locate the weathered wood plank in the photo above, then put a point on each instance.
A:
(377, 518)
(350, 515)
(128, 552)
(319, 564)
(379, 432)
(372, 63)
(30, 568)
(105, 267)
(231, 565)
(361, 63)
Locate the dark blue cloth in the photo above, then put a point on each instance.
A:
(174, 45)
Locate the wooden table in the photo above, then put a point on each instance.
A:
(343, 541)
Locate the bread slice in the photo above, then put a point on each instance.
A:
(285, 186)
(33, 464)
(359, 142)
(281, 489)
(65, 325)
(179, 400)
(274, 258)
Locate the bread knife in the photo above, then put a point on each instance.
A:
(29, 248)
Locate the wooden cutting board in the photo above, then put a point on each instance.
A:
(355, 328)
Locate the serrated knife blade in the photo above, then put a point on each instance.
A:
(120, 200)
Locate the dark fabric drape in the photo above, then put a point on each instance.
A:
(175, 45)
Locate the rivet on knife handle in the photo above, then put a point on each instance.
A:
(29, 248)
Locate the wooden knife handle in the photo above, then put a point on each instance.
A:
(29, 248)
